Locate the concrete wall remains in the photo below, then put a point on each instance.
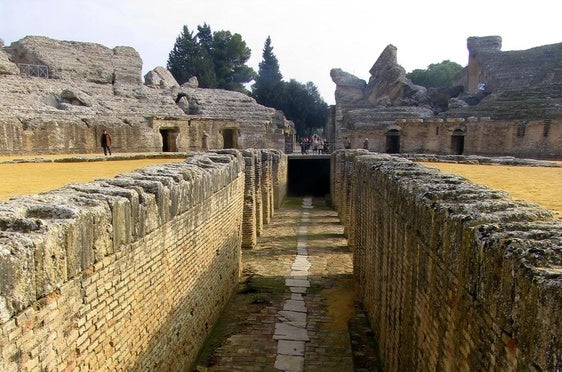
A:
(453, 276)
(126, 273)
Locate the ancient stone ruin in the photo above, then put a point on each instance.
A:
(58, 96)
(505, 103)
(132, 272)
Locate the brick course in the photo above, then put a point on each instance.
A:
(453, 276)
(128, 273)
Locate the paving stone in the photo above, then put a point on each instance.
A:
(298, 289)
(287, 347)
(294, 305)
(297, 296)
(285, 331)
(303, 230)
(289, 363)
(298, 319)
(297, 283)
(299, 274)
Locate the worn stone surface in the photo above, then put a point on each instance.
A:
(523, 90)
(388, 84)
(91, 87)
(161, 78)
(7, 67)
(466, 266)
(79, 60)
(139, 266)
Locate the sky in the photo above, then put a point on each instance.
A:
(309, 37)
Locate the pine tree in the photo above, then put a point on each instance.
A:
(218, 59)
(189, 58)
(268, 86)
(230, 54)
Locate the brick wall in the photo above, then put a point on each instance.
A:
(128, 273)
(453, 276)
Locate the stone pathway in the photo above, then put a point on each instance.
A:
(291, 311)
(290, 331)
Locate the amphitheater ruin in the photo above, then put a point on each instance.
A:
(132, 272)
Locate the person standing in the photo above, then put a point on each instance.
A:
(366, 144)
(106, 142)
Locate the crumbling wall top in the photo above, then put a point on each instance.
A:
(79, 60)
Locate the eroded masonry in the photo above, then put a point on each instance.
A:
(88, 87)
(132, 272)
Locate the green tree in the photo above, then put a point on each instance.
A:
(187, 59)
(208, 77)
(268, 86)
(217, 59)
(230, 55)
(301, 103)
(437, 75)
(304, 106)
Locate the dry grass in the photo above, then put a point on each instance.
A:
(33, 178)
(541, 185)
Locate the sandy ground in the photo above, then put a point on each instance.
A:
(541, 185)
(33, 178)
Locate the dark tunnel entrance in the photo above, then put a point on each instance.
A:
(308, 176)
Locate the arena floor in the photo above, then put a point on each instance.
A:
(541, 185)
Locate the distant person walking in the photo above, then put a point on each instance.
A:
(346, 143)
(366, 144)
(106, 142)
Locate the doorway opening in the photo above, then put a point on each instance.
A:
(457, 142)
(392, 142)
(230, 138)
(169, 137)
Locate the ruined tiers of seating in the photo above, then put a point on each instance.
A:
(533, 102)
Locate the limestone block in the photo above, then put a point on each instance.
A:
(161, 78)
(191, 83)
(127, 65)
(147, 217)
(7, 67)
(17, 274)
(78, 60)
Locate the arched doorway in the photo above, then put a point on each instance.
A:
(169, 137)
(392, 142)
(457, 142)
(230, 138)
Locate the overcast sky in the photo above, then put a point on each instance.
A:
(309, 37)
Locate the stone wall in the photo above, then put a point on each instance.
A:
(453, 276)
(92, 87)
(124, 273)
(537, 139)
(514, 69)
(523, 92)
